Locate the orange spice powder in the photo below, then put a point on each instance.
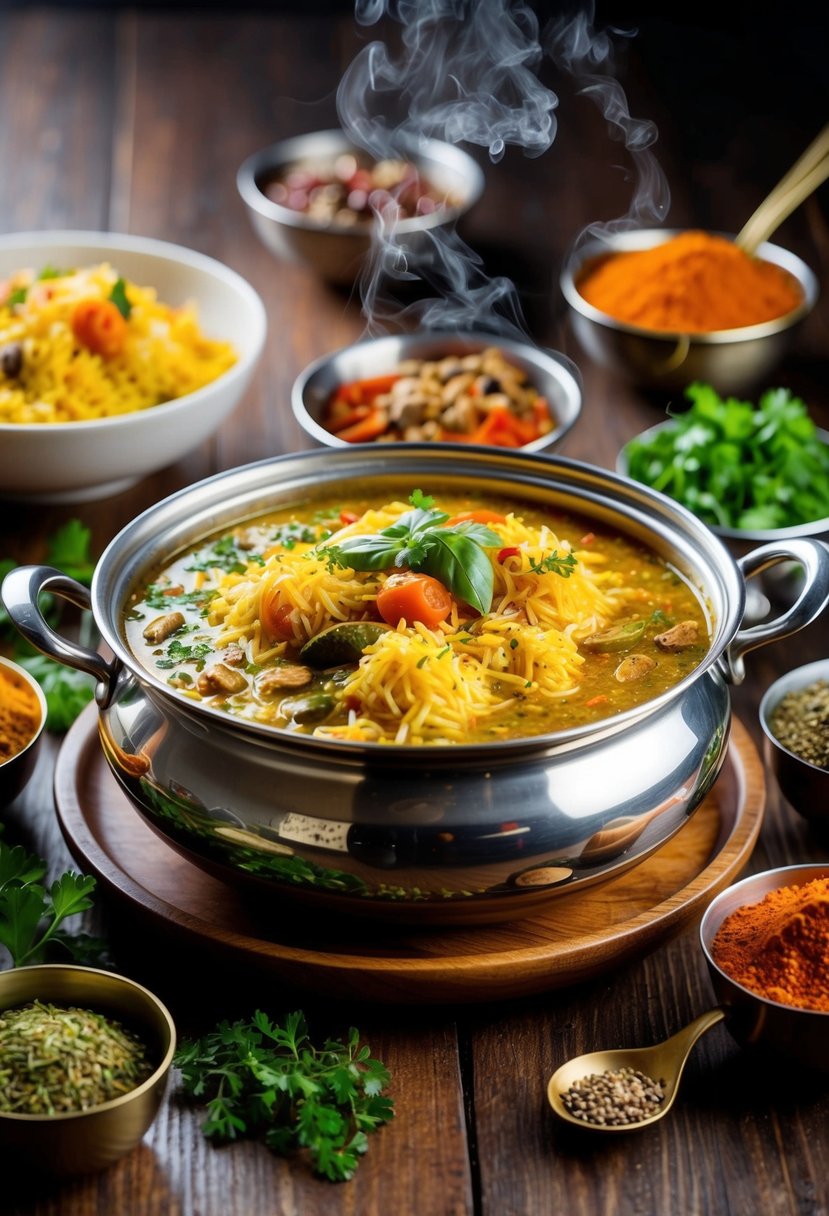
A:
(19, 713)
(779, 947)
(693, 283)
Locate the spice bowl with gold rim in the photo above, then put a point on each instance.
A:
(85, 1141)
(802, 781)
(792, 1033)
(732, 360)
(22, 719)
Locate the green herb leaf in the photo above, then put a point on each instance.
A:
(69, 550)
(118, 296)
(420, 540)
(67, 692)
(562, 564)
(51, 272)
(462, 566)
(179, 652)
(262, 1078)
(18, 296)
(736, 465)
(21, 910)
(25, 905)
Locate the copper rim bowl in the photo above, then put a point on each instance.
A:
(794, 1034)
(89, 1140)
(445, 834)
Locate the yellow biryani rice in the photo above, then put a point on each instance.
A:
(52, 376)
(416, 685)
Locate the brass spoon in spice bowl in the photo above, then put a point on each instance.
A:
(622, 1094)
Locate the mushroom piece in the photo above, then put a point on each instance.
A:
(234, 656)
(634, 667)
(163, 627)
(686, 633)
(220, 679)
(286, 675)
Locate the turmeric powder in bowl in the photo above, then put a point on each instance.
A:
(22, 718)
(694, 282)
(20, 715)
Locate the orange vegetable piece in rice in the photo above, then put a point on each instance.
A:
(99, 326)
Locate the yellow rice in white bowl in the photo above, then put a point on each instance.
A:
(162, 353)
(78, 422)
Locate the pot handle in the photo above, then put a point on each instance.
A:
(21, 590)
(813, 556)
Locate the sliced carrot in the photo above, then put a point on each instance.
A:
(366, 429)
(369, 389)
(413, 597)
(338, 422)
(480, 516)
(98, 325)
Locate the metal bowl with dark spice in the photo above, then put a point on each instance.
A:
(794, 715)
(468, 832)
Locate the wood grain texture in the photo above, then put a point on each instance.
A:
(137, 120)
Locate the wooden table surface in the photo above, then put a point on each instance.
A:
(137, 121)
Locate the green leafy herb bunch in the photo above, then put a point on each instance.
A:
(260, 1078)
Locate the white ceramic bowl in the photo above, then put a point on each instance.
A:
(72, 461)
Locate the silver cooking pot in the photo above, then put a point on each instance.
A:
(473, 832)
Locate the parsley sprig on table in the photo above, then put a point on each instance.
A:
(420, 540)
(259, 1078)
(736, 465)
(31, 915)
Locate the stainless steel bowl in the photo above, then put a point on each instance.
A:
(796, 1035)
(554, 376)
(732, 360)
(337, 253)
(90, 1140)
(474, 832)
(804, 785)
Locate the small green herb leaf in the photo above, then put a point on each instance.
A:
(263, 1078)
(420, 541)
(118, 296)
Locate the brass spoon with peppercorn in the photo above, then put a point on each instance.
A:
(620, 1091)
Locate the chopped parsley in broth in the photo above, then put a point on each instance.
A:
(419, 620)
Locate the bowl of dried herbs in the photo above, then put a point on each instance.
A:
(84, 1060)
(794, 715)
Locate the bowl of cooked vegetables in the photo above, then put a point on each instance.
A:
(118, 355)
(666, 307)
(417, 681)
(315, 199)
(753, 471)
(85, 1056)
(469, 388)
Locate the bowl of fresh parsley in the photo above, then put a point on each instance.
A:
(754, 472)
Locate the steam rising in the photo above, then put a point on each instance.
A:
(466, 72)
(588, 56)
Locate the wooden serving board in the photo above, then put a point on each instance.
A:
(576, 937)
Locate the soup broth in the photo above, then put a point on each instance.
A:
(409, 622)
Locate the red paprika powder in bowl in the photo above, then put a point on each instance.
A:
(766, 942)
